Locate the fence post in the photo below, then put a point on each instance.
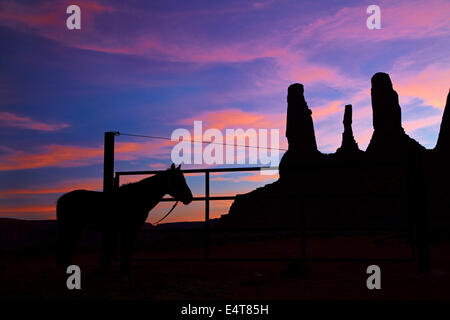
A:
(108, 162)
(116, 181)
(109, 237)
(206, 214)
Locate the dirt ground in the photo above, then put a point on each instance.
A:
(36, 276)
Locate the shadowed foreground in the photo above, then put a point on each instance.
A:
(33, 274)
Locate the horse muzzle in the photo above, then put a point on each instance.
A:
(187, 199)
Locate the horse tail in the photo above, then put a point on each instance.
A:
(64, 231)
(60, 244)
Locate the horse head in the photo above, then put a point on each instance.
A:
(178, 187)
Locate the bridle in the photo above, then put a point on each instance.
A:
(170, 211)
(167, 214)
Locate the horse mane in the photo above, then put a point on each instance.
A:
(131, 186)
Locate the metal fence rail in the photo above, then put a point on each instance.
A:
(302, 229)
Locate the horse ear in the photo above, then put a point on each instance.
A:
(172, 167)
(179, 167)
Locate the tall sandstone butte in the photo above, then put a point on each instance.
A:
(304, 168)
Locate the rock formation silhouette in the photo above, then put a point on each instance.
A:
(299, 124)
(393, 162)
(389, 137)
(348, 147)
(443, 142)
(302, 146)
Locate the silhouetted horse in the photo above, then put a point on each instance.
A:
(122, 211)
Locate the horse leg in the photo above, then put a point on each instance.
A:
(109, 247)
(62, 255)
(68, 237)
(127, 239)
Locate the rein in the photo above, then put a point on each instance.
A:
(170, 211)
(167, 214)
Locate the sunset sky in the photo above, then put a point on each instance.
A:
(150, 67)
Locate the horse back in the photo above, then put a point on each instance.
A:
(84, 207)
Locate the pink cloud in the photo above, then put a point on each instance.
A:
(236, 118)
(295, 68)
(12, 12)
(431, 85)
(402, 19)
(412, 125)
(158, 165)
(8, 119)
(51, 155)
(33, 212)
(45, 14)
(73, 156)
(88, 184)
(325, 111)
(292, 64)
(48, 19)
(252, 178)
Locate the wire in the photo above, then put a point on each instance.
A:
(192, 140)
